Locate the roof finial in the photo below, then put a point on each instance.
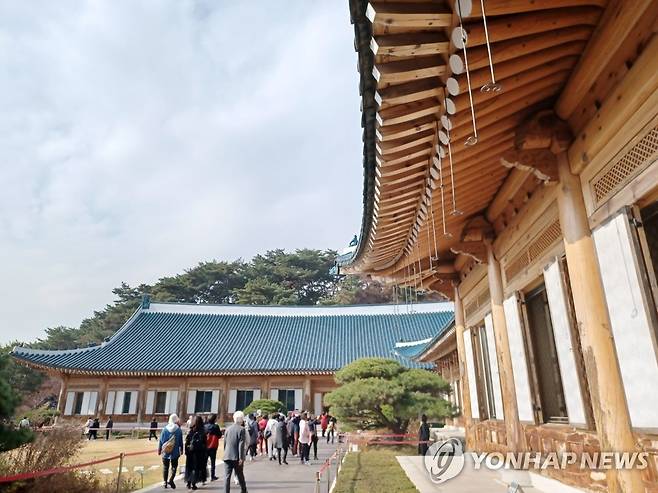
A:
(146, 301)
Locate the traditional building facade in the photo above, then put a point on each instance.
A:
(202, 359)
(511, 163)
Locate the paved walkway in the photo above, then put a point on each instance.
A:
(265, 476)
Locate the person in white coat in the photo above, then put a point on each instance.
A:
(304, 439)
(270, 432)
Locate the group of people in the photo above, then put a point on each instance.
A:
(272, 435)
(199, 445)
(92, 426)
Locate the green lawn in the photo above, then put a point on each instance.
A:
(374, 469)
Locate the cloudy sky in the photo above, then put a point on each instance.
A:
(138, 138)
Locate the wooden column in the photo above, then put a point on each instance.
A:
(141, 402)
(514, 431)
(613, 423)
(223, 410)
(307, 396)
(102, 398)
(62, 396)
(463, 371)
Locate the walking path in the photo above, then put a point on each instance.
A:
(265, 476)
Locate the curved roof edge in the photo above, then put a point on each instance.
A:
(416, 350)
(367, 84)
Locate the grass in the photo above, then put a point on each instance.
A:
(375, 469)
(98, 449)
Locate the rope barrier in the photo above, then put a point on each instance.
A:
(63, 469)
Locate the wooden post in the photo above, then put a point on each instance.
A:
(102, 398)
(514, 431)
(463, 372)
(611, 416)
(307, 396)
(62, 396)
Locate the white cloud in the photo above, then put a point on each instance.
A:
(138, 138)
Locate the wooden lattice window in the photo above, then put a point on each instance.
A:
(619, 172)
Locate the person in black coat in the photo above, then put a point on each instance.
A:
(108, 428)
(423, 436)
(95, 427)
(153, 429)
(196, 454)
(281, 439)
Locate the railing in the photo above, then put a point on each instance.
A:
(64, 469)
(325, 474)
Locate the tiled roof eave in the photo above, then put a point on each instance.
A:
(178, 373)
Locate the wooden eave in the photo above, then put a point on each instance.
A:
(548, 54)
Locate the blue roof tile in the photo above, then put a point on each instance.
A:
(189, 339)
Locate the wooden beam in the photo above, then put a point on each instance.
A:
(639, 85)
(540, 162)
(407, 112)
(416, 68)
(504, 7)
(514, 26)
(503, 51)
(527, 62)
(517, 81)
(617, 22)
(392, 132)
(410, 44)
(397, 145)
(408, 92)
(391, 159)
(510, 187)
(409, 15)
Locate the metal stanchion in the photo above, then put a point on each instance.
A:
(329, 478)
(119, 474)
(317, 482)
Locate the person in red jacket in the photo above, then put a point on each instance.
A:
(324, 422)
(213, 434)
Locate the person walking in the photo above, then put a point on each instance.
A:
(330, 429)
(196, 455)
(262, 439)
(313, 424)
(235, 444)
(304, 439)
(24, 424)
(270, 432)
(153, 429)
(324, 422)
(423, 436)
(93, 431)
(213, 434)
(108, 428)
(170, 447)
(295, 434)
(252, 430)
(280, 439)
(88, 426)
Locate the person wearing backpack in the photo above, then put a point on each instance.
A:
(170, 447)
(196, 454)
(213, 434)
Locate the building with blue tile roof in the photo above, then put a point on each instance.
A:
(186, 358)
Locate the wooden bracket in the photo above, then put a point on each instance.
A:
(544, 130)
(474, 249)
(476, 229)
(541, 162)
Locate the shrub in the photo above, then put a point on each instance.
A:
(54, 448)
(266, 406)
